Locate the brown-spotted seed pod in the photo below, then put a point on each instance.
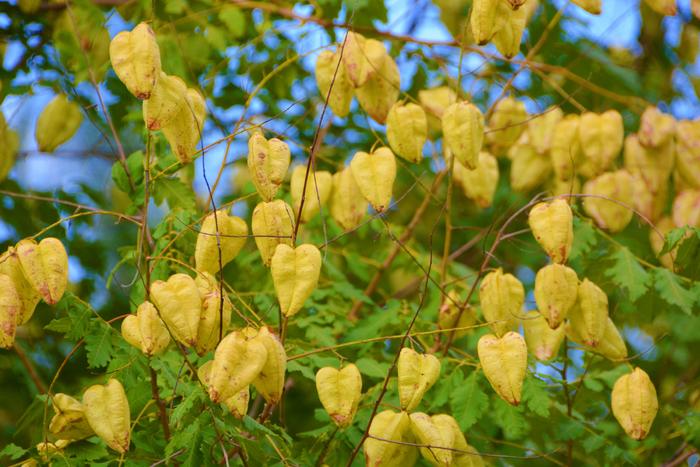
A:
(348, 205)
(375, 174)
(656, 128)
(611, 346)
(10, 311)
(407, 130)
(507, 122)
(449, 312)
(268, 161)
(319, 185)
(381, 90)
(145, 330)
(435, 101)
(11, 267)
(565, 148)
(463, 131)
(363, 58)
(439, 437)
(529, 169)
(653, 165)
(556, 292)
(540, 130)
(391, 426)
(688, 151)
(213, 309)
(295, 273)
(237, 404)
(185, 130)
(611, 200)
(592, 6)
(504, 361)
(479, 184)
(340, 392)
(167, 99)
(270, 381)
(272, 225)
(135, 58)
(602, 137)
(417, 374)
(107, 412)
(502, 297)
(686, 209)
(464, 454)
(57, 123)
(590, 314)
(542, 341)
(634, 403)
(45, 266)
(232, 234)
(510, 27)
(483, 20)
(9, 144)
(69, 421)
(663, 7)
(238, 360)
(552, 226)
(331, 73)
(180, 306)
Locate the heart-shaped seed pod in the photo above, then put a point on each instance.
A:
(268, 162)
(507, 122)
(363, 58)
(504, 361)
(236, 404)
(502, 297)
(185, 130)
(215, 315)
(480, 183)
(348, 205)
(449, 312)
(272, 225)
(238, 360)
(435, 101)
(407, 130)
(610, 215)
(439, 437)
(463, 131)
(48, 451)
(542, 341)
(540, 129)
(145, 330)
(375, 174)
(417, 374)
(295, 273)
(135, 58)
(167, 99)
(556, 292)
(559, 187)
(565, 148)
(233, 233)
(652, 165)
(270, 381)
(552, 226)
(339, 392)
(11, 267)
(331, 73)
(611, 346)
(686, 209)
(656, 128)
(510, 27)
(483, 19)
(180, 306)
(589, 316)
(529, 169)
(602, 136)
(592, 6)
(45, 266)
(57, 123)
(318, 190)
(9, 144)
(10, 311)
(687, 151)
(380, 91)
(69, 421)
(107, 411)
(634, 403)
(464, 454)
(392, 426)
(663, 7)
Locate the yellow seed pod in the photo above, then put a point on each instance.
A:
(10, 311)
(664, 226)
(107, 412)
(417, 374)
(528, 169)
(688, 151)
(57, 123)
(463, 131)
(592, 6)
(215, 313)
(145, 330)
(656, 128)
(542, 341)
(329, 72)
(504, 361)
(611, 346)
(407, 130)
(348, 205)
(180, 306)
(610, 215)
(602, 136)
(238, 360)
(540, 130)
(634, 403)
(663, 7)
(507, 122)
(362, 58)
(392, 426)
(439, 437)
(559, 187)
(295, 273)
(479, 184)
(465, 455)
(510, 27)
(270, 381)
(185, 130)
(168, 97)
(237, 404)
(380, 91)
(565, 147)
(449, 311)
(686, 209)
(340, 392)
(272, 225)
(9, 144)
(69, 421)
(11, 267)
(435, 101)
(648, 203)
(45, 266)
(375, 174)
(268, 162)
(233, 233)
(502, 297)
(135, 58)
(589, 316)
(653, 165)
(47, 451)
(483, 19)
(552, 226)
(319, 185)
(556, 292)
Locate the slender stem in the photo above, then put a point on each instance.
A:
(160, 403)
(26, 361)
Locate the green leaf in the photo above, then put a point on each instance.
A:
(469, 402)
(175, 192)
(372, 368)
(688, 256)
(12, 451)
(627, 273)
(98, 344)
(671, 290)
(234, 20)
(672, 239)
(536, 396)
(510, 419)
(585, 238)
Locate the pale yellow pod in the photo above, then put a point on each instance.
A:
(589, 316)
(611, 346)
(295, 273)
(11, 267)
(47, 450)
(45, 266)
(466, 456)
(510, 33)
(69, 421)
(565, 148)
(135, 58)
(237, 404)
(319, 185)
(529, 169)
(435, 101)
(592, 6)
(556, 292)
(107, 412)
(542, 341)
(656, 128)
(480, 183)
(653, 165)
(407, 130)
(439, 437)
(381, 90)
(238, 361)
(57, 123)
(215, 313)
(608, 214)
(388, 425)
(348, 205)
(375, 174)
(686, 209)
(363, 58)
(145, 330)
(168, 97)
(185, 130)
(232, 232)
(463, 131)
(663, 7)
(10, 311)
(559, 187)
(540, 130)
(340, 392)
(688, 151)
(483, 19)
(449, 311)
(508, 121)
(634, 403)
(504, 361)
(272, 225)
(270, 381)
(417, 374)
(502, 297)
(9, 145)
(602, 137)
(268, 162)
(180, 306)
(552, 226)
(330, 73)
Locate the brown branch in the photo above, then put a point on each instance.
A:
(160, 403)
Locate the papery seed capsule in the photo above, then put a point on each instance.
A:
(552, 226)
(464, 454)
(556, 292)
(9, 144)
(363, 58)
(688, 151)
(238, 361)
(145, 330)
(185, 130)
(591, 6)
(504, 361)
(565, 148)
(348, 205)
(272, 225)
(417, 374)
(602, 136)
(663, 7)
(440, 438)
(529, 169)
(295, 273)
(611, 346)
(502, 297)
(69, 421)
(135, 58)
(648, 203)
(407, 130)
(449, 312)
(483, 19)
(215, 315)
(340, 392)
(318, 190)
(57, 123)
(45, 266)
(10, 311)
(507, 122)
(589, 316)
(686, 209)
(652, 165)
(510, 27)
(237, 404)
(540, 130)
(107, 412)
(375, 174)
(463, 130)
(634, 403)
(270, 381)
(180, 306)
(435, 101)
(542, 341)
(11, 267)
(391, 426)
(331, 73)
(381, 90)
(268, 162)
(656, 128)
(479, 184)
(166, 100)
(232, 234)
(611, 200)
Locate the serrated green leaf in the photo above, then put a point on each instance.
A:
(175, 192)
(536, 396)
(585, 238)
(469, 402)
(510, 419)
(627, 273)
(12, 451)
(372, 368)
(98, 344)
(672, 290)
